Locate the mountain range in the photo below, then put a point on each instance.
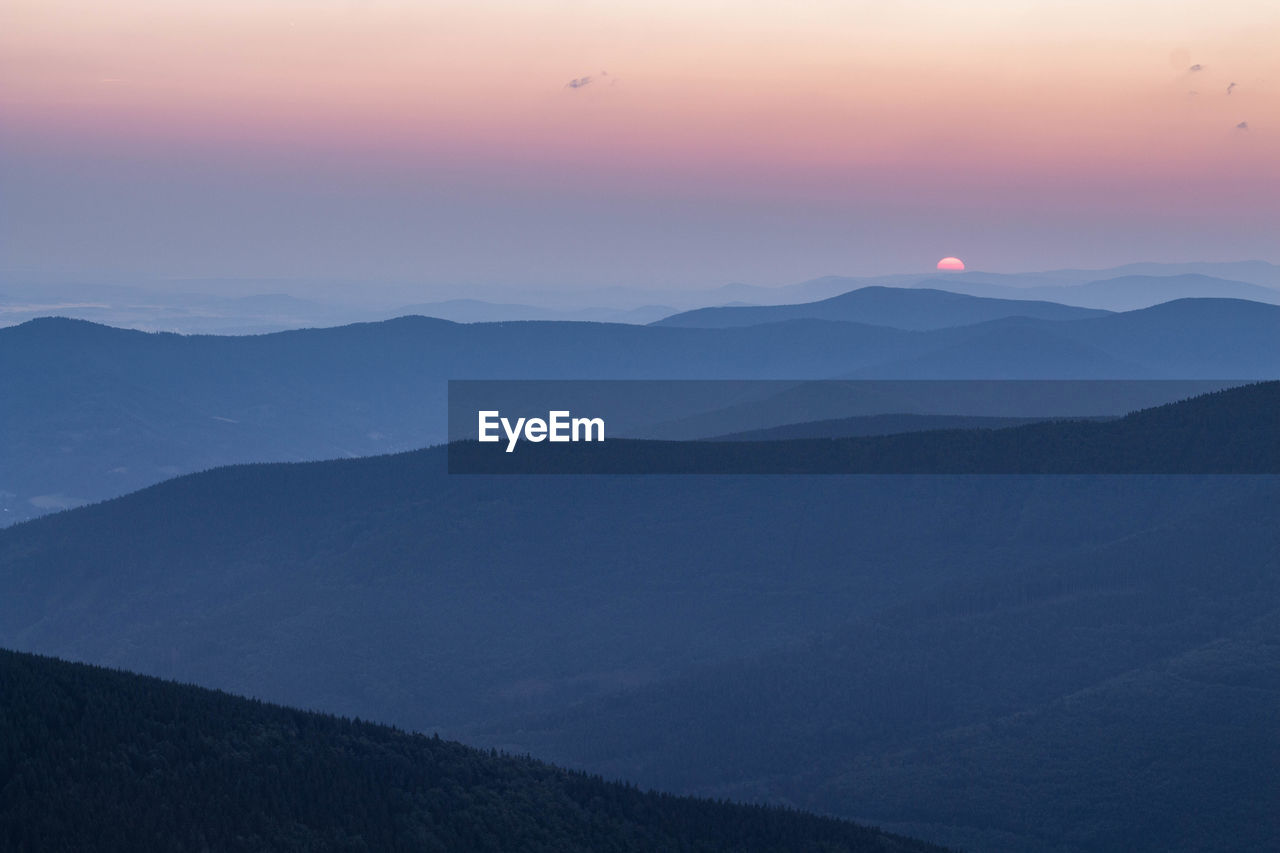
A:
(1029, 663)
(901, 308)
(1004, 285)
(1122, 293)
(255, 306)
(105, 410)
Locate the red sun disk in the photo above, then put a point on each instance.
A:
(951, 264)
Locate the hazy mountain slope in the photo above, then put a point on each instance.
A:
(97, 760)
(1013, 349)
(386, 588)
(105, 410)
(1253, 272)
(760, 635)
(1118, 292)
(903, 308)
(480, 311)
(1191, 338)
(1169, 772)
(1127, 293)
(1183, 339)
(1112, 697)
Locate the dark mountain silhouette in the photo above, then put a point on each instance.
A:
(902, 308)
(100, 760)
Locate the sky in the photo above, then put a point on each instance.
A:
(633, 143)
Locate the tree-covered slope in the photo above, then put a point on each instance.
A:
(99, 760)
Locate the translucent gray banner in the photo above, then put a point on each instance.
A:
(862, 426)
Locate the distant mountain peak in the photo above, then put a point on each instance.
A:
(913, 309)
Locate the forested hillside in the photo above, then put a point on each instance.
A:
(787, 639)
(97, 760)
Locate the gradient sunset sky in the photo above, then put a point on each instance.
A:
(652, 143)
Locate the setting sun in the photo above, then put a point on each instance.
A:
(951, 265)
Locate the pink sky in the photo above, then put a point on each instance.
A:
(753, 141)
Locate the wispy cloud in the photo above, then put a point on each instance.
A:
(587, 79)
(1244, 125)
(1196, 67)
(1229, 88)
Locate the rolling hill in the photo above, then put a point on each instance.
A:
(773, 638)
(480, 311)
(1130, 292)
(105, 411)
(1120, 292)
(902, 308)
(99, 760)
(1183, 339)
(1120, 698)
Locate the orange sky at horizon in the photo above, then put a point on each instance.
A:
(904, 102)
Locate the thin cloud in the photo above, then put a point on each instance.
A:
(1196, 67)
(1244, 125)
(1229, 88)
(587, 80)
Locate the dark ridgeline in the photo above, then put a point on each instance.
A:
(863, 425)
(99, 760)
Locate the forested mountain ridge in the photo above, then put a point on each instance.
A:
(97, 760)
